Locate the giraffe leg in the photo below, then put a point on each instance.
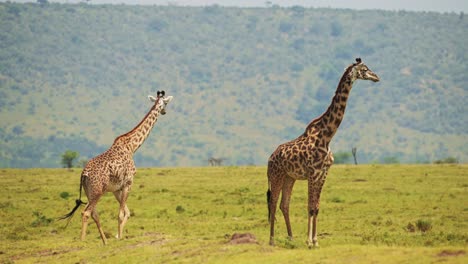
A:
(84, 222)
(315, 190)
(95, 217)
(124, 212)
(285, 199)
(90, 210)
(312, 215)
(85, 217)
(273, 200)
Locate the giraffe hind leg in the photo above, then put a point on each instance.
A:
(95, 217)
(274, 195)
(90, 210)
(285, 200)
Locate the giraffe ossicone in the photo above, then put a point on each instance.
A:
(114, 170)
(309, 156)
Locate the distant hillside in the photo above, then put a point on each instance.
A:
(244, 80)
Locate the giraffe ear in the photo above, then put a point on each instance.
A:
(151, 98)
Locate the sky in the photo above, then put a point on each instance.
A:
(395, 5)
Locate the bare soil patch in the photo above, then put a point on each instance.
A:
(451, 253)
(246, 238)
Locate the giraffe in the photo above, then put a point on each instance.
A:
(114, 169)
(309, 157)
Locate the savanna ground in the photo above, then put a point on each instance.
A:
(369, 214)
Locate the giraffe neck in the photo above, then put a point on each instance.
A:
(133, 139)
(327, 124)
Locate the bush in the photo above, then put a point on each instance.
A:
(179, 209)
(449, 160)
(41, 220)
(390, 160)
(423, 225)
(411, 227)
(341, 157)
(420, 225)
(64, 195)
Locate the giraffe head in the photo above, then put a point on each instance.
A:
(361, 71)
(160, 101)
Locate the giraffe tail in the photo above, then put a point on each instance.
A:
(268, 194)
(78, 203)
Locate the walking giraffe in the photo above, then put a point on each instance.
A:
(309, 157)
(113, 170)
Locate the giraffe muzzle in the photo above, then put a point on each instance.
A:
(373, 77)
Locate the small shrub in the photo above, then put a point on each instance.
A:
(451, 237)
(423, 225)
(41, 220)
(19, 233)
(64, 195)
(179, 209)
(411, 227)
(337, 200)
(243, 190)
(6, 205)
(161, 213)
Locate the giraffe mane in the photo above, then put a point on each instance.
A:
(347, 70)
(144, 118)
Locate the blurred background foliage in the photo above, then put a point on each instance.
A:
(244, 80)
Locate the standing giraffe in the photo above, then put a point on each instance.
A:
(309, 157)
(113, 170)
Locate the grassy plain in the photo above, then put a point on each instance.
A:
(369, 214)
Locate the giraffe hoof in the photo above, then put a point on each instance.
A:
(312, 244)
(315, 243)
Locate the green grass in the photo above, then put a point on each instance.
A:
(368, 214)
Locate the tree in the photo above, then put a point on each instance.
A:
(354, 150)
(68, 157)
(82, 163)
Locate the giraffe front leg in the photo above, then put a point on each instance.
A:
(313, 207)
(315, 189)
(312, 240)
(124, 212)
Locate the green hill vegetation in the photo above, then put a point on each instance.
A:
(244, 80)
